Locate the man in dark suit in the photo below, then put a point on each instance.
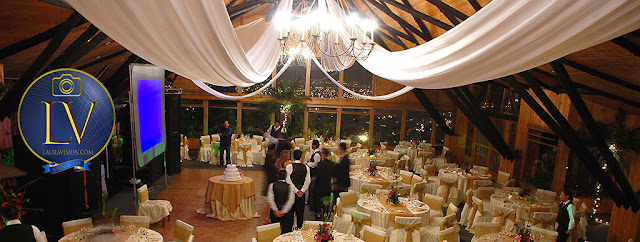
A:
(15, 230)
(299, 175)
(281, 197)
(225, 143)
(341, 173)
(322, 182)
(565, 218)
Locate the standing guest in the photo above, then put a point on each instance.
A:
(271, 171)
(315, 157)
(225, 143)
(299, 175)
(282, 144)
(341, 173)
(15, 230)
(283, 160)
(565, 217)
(322, 182)
(274, 131)
(281, 197)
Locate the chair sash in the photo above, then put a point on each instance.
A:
(404, 191)
(408, 228)
(431, 170)
(338, 209)
(372, 237)
(468, 197)
(476, 207)
(267, 235)
(215, 149)
(244, 148)
(144, 195)
(447, 188)
(182, 233)
(447, 223)
(348, 199)
(502, 216)
(359, 223)
(264, 146)
(545, 223)
(419, 190)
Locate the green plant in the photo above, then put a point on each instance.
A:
(10, 195)
(326, 213)
(285, 102)
(7, 156)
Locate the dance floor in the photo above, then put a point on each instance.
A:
(186, 194)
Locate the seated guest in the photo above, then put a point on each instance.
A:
(341, 173)
(281, 197)
(283, 160)
(322, 182)
(282, 144)
(15, 230)
(315, 157)
(299, 175)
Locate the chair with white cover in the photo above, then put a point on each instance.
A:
(484, 194)
(367, 188)
(582, 221)
(138, 221)
(341, 222)
(544, 220)
(481, 183)
(551, 195)
(313, 225)
(406, 177)
(267, 233)
(358, 220)
(449, 219)
(406, 229)
(214, 158)
(349, 200)
(503, 180)
(506, 217)
(383, 146)
(299, 141)
(479, 213)
(450, 235)
(183, 141)
(156, 210)
(466, 210)
(431, 232)
(76, 225)
(544, 234)
(401, 164)
(370, 234)
(449, 191)
(435, 204)
(404, 190)
(431, 172)
(442, 158)
(483, 228)
(416, 178)
(205, 148)
(419, 190)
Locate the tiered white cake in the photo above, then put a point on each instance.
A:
(231, 173)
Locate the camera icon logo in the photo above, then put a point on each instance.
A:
(66, 85)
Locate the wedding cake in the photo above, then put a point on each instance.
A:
(231, 173)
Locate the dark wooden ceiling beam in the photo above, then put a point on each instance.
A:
(420, 23)
(59, 61)
(117, 83)
(475, 4)
(432, 110)
(419, 14)
(590, 123)
(446, 12)
(569, 138)
(628, 45)
(33, 41)
(103, 59)
(447, 8)
(404, 24)
(600, 75)
(393, 33)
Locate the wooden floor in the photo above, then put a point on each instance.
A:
(186, 194)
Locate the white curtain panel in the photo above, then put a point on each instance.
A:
(196, 39)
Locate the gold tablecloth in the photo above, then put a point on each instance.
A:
(307, 236)
(230, 193)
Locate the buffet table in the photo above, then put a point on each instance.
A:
(384, 177)
(230, 200)
(124, 234)
(383, 214)
(307, 236)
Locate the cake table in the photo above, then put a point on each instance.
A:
(230, 200)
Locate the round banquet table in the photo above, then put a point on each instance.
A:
(307, 236)
(522, 206)
(230, 200)
(129, 235)
(496, 237)
(465, 179)
(384, 177)
(383, 214)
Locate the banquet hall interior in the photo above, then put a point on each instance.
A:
(330, 120)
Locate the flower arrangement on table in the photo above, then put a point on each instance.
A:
(371, 151)
(523, 233)
(238, 135)
(324, 233)
(373, 168)
(392, 198)
(466, 167)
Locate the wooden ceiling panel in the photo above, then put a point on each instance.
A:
(25, 18)
(610, 59)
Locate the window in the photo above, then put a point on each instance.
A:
(354, 125)
(191, 121)
(217, 116)
(386, 126)
(358, 80)
(418, 127)
(540, 158)
(320, 85)
(294, 77)
(440, 135)
(254, 121)
(322, 124)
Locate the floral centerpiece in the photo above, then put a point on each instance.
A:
(466, 167)
(324, 233)
(523, 233)
(238, 135)
(392, 198)
(373, 168)
(371, 151)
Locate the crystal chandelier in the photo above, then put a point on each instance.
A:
(310, 30)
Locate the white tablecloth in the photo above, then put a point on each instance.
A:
(142, 234)
(307, 235)
(495, 237)
(462, 176)
(523, 208)
(382, 218)
(384, 177)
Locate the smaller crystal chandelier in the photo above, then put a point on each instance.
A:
(311, 30)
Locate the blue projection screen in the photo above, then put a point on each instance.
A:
(146, 100)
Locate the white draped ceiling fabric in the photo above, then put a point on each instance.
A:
(196, 39)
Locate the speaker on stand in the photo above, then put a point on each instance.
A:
(172, 117)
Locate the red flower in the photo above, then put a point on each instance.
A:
(19, 194)
(325, 236)
(370, 169)
(13, 199)
(324, 226)
(24, 212)
(19, 207)
(18, 201)
(526, 238)
(5, 204)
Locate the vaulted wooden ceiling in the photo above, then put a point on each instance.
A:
(608, 73)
